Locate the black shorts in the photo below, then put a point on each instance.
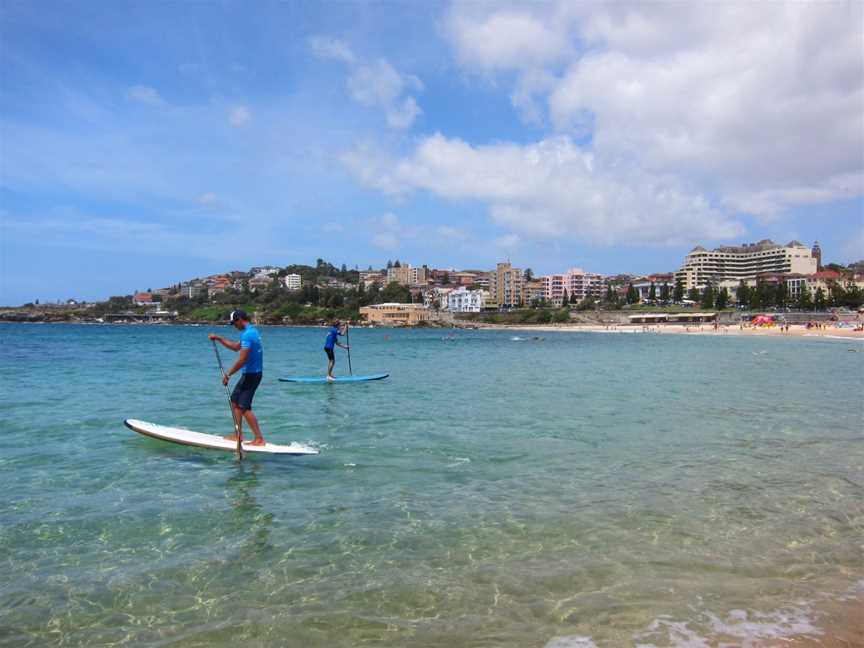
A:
(329, 353)
(244, 390)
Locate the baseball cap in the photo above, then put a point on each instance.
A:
(238, 315)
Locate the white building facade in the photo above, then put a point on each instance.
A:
(293, 282)
(702, 266)
(463, 300)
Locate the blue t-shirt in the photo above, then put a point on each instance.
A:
(250, 339)
(331, 338)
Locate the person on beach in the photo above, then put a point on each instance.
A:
(250, 363)
(331, 341)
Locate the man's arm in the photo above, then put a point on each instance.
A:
(234, 346)
(241, 360)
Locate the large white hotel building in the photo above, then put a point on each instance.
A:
(702, 266)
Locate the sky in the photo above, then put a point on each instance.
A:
(146, 143)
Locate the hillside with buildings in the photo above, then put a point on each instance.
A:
(754, 276)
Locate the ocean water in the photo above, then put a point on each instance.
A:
(498, 490)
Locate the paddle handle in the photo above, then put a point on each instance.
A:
(230, 406)
(348, 344)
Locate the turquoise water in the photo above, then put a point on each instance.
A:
(579, 490)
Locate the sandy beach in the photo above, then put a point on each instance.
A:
(794, 331)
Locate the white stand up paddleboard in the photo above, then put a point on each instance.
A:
(211, 441)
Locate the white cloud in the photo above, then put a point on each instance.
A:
(389, 231)
(550, 190)
(758, 104)
(449, 235)
(508, 242)
(325, 47)
(379, 84)
(239, 116)
(333, 228)
(509, 37)
(145, 94)
(386, 241)
(208, 198)
(374, 84)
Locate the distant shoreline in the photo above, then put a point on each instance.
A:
(795, 331)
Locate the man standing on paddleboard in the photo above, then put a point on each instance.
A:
(251, 364)
(332, 340)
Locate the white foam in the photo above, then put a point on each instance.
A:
(740, 628)
(573, 641)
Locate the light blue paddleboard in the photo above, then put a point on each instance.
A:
(315, 380)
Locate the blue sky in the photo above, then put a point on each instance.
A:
(146, 143)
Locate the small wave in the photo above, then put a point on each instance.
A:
(458, 461)
(748, 629)
(574, 641)
(738, 628)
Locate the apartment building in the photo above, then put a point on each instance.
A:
(535, 291)
(407, 275)
(576, 282)
(506, 286)
(747, 261)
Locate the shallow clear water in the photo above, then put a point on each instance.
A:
(579, 490)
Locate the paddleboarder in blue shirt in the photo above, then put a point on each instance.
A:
(251, 365)
(332, 340)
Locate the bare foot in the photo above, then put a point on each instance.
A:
(257, 442)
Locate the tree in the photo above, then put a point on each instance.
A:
(565, 299)
(781, 294)
(722, 299)
(652, 293)
(804, 301)
(632, 294)
(854, 296)
(529, 274)
(575, 300)
(837, 294)
(396, 264)
(742, 295)
(610, 296)
(693, 294)
(389, 264)
(588, 303)
(344, 268)
(445, 279)
(819, 299)
(678, 292)
(708, 297)
(664, 293)
(394, 292)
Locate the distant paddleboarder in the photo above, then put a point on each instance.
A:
(251, 364)
(333, 340)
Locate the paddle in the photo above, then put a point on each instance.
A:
(230, 406)
(348, 344)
